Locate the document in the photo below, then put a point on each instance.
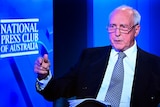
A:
(75, 102)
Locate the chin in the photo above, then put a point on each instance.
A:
(119, 48)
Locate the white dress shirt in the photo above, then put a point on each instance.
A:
(129, 69)
(41, 84)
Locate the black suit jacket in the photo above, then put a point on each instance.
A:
(85, 78)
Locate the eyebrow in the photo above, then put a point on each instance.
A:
(119, 25)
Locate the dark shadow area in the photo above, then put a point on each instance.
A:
(70, 36)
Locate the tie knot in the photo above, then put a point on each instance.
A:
(121, 55)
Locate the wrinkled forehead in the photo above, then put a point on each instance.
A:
(122, 15)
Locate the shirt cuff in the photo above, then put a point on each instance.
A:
(41, 84)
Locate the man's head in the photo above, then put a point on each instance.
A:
(124, 26)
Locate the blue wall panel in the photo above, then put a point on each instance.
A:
(17, 75)
(148, 37)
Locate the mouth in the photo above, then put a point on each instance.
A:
(117, 41)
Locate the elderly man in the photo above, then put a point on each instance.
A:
(122, 74)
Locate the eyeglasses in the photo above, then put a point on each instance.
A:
(123, 28)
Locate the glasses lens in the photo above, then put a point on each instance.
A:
(125, 30)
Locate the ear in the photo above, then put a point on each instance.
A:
(137, 30)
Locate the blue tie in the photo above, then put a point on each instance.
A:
(114, 92)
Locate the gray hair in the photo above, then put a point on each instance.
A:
(136, 14)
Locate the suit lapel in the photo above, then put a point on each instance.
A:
(141, 76)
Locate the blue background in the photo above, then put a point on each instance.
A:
(148, 38)
(17, 76)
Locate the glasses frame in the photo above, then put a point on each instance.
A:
(121, 30)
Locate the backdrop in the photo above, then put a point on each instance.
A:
(148, 38)
(26, 32)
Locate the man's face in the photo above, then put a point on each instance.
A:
(123, 20)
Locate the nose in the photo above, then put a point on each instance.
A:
(117, 32)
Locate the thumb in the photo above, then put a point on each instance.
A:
(46, 58)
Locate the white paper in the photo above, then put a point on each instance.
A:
(74, 103)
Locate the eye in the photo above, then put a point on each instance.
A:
(123, 26)
(112, 26)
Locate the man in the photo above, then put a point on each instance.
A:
(91, 76)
